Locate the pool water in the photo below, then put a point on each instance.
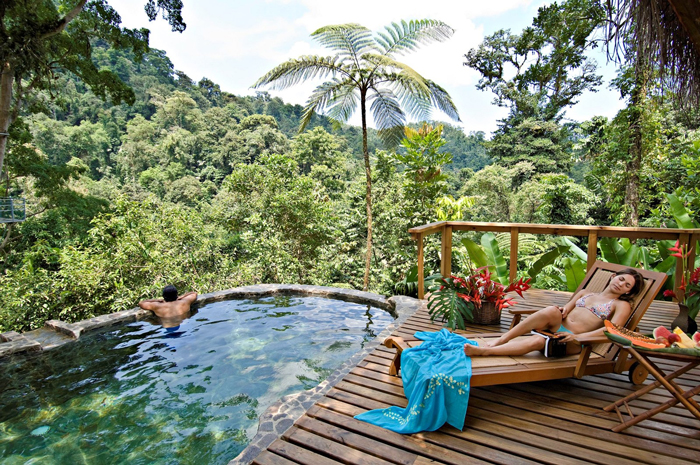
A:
(141, 394)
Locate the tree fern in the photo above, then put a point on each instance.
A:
(363, 70)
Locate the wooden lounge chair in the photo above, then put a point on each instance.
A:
(598, 354)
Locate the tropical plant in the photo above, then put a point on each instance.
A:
(449, 209)
(409, 284)
(454, 299)
(364, 71)
(688, 292)
(424, 181)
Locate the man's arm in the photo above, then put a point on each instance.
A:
(190, 297)
(150, 304)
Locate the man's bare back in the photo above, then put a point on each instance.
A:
(165, 309)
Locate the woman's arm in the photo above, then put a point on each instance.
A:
(571, 303)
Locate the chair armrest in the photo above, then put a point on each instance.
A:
(513, 311)
(396, 342)
(590, 340)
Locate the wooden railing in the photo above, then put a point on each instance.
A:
(684, 236)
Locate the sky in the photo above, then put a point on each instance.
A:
(235, 42)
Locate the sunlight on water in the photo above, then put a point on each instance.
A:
(137, 394)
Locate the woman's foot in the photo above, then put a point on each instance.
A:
(471, 350)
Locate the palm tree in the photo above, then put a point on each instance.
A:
(364, 70)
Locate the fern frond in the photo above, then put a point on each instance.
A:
(333, 94)
(388, 116)
(443, 101)
(407, 37)
(343, 104)
(294, 71)
(348, 40)
(413, 94)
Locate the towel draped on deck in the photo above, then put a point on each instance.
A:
(435, 378)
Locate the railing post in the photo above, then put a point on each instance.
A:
(446, 251)
(421, 273)
(682, 239)
(514, 234)
(693, 251)
(592, 249)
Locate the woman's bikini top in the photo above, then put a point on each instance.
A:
(602, 311)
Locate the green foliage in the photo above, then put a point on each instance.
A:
(284, 217)
(422, 165)
(488, 255)
(131, 253)
(543, 57)
(446, 304)
(537, 75)
(468, 151)
(545, 144)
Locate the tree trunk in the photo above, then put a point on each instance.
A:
(6, 80)
(634, 163)
(368, 174)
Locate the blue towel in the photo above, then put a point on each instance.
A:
(435, 378)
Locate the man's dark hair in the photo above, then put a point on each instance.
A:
(170, 293)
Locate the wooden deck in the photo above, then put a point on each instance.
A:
(558, 422)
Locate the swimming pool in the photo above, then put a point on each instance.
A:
(140, 394)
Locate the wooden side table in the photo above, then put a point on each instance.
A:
(662, 379)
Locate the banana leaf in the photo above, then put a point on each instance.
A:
(576, 250)
(575, 271)
(495, 257)
(680, 213)
(620, 252)
(667, 265)
(476, 254)
(645, 258)
(546, 259)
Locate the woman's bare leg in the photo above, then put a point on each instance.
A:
(515, 347)
(549, 318)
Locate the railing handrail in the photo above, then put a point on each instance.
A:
(684, 236)
(554, 229)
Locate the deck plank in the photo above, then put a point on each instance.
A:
(558, 422)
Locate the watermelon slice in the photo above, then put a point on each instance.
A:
(696, 339)
(661, 331)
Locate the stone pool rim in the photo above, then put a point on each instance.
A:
(280, 416)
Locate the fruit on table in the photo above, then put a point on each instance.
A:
(662, 331)
(696, 338)
(674, 338)
(636, 339)
(685, 341)
(663, 340)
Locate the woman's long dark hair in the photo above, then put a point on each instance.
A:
(638, 284)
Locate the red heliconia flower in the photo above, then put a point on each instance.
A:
(677, 254)
(675, 248)
(669, 293)
(695, 276)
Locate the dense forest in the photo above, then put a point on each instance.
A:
(194, 186)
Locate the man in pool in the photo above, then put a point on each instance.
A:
(171, 309)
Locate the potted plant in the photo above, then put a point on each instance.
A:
(688, 293)
(475, 298)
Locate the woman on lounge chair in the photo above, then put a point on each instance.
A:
(582, 316)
